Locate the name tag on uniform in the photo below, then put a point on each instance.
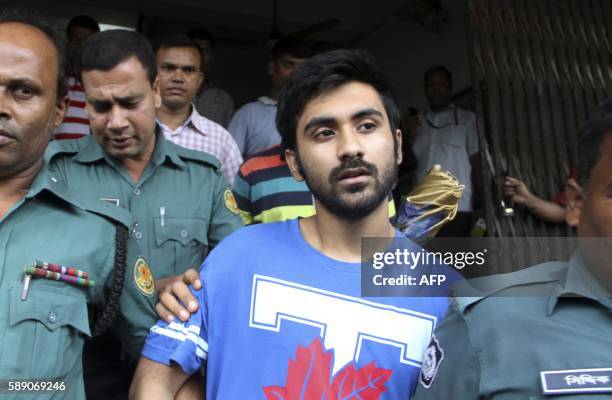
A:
(592, 380)
(111, 201)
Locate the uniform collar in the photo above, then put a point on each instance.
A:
(92, 152)
(579, 282)
(47, 181)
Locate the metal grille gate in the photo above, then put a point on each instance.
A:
(538, 67)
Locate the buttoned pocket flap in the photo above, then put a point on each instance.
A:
(182, 230)
(51, 305)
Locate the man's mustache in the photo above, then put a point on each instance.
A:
(352, 163)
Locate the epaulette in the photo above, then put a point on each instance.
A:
(469, 292)
(93, 205)
(104, 209)
(68, 146)
(197, 156)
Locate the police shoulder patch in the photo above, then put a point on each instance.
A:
(230, 202)
(431, 361)
(143, 277)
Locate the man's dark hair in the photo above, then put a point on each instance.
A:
(592, 134)
(438, 69)
(105, 50)
(84, 21)
(322, 74)
(202, 34)
(292, 46)
(168, 41)
(25, 17)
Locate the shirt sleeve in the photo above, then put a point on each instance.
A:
(232, 161)
(472, 134)
(185, 343)
(450, 368)
(242, 192)
(239, 129)
(225, 217)
(137, 305)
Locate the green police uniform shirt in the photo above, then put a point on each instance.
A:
(181, 205)
(42, 336)
(545, 334)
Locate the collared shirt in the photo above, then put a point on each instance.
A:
(42, 336)
(76, 120)
(202, 134)
(550, 319)
(254, 126)
(215, 104)
(181, 205)
(448, 138)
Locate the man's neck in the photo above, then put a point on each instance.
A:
(274, 94)
(340, 239)
(14, 188)
(174, 118)
(136, 166)
(437, 109)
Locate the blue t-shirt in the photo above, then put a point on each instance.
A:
(278, 319)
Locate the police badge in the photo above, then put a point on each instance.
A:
(431, 361)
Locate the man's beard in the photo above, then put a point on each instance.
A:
(328, 195)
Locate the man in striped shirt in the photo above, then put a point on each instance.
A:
(76, 122)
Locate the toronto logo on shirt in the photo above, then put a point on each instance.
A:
(327, 367)
(308, 377)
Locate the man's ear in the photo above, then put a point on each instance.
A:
(575, 200)
(201, 78)
(293, 163)
(400, 153)
(60, 111)
(157, 93)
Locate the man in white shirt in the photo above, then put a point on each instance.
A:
(447, 136)
(253, 126)
(180, 75)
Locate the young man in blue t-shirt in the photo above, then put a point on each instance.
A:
(281, 314)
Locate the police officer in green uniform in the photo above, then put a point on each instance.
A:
(555, 339)
(180, 201)
(76, 251)
(178, 197)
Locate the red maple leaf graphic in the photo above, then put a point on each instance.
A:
(308, 378)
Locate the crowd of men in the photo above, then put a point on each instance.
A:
(140, 209)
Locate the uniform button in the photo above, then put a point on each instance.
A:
(137, 192)
(138, 235)
(184, 233)
(52, 317)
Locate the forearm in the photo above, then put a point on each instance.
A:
(545, 210)
(156, 381)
